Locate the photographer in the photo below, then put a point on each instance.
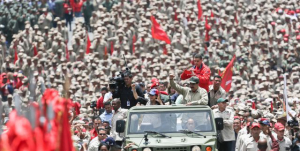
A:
(124, 92)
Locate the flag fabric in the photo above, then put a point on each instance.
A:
(200, 12)
(235, 18)
(207, 29)
(105, 51)
(133, 46)
(165, 51)
(271, 106)
(175, 16)
(111, 48)
(287, 106)
(212, 14)
(253, 105)
(227, 76)
(88, 43)
(158, 33)
(16, 56)
(67, 54)
(35, 52)
(66, 142)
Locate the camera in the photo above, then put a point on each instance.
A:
(93, 104)
(118, 81)
(293, 123)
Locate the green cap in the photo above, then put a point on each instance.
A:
(194, 79)
(220, 100)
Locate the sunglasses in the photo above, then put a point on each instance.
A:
(102, 134)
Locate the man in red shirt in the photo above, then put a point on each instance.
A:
(100, 103)
(200, 70)
(97, 123)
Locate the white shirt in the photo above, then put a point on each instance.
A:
(227, 115)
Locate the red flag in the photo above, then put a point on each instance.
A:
(207, 29)
(105, 51)
(67, 54)
(158, 33)
(165, 52)
(200, 12)
(235, 18)
(253, 106)
(16, 56)
(227, 76)
(35, 52)
(88, 44)
(271, 106)
(133, 46)
(66, 142)
(211, 14)
(111, 47)
(175, 16)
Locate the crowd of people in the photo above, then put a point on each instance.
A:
(37, 53)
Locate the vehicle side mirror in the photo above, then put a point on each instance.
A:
(219, 123)
(120, 126)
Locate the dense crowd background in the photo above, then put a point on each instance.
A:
(46, 44)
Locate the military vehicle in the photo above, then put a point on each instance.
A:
(170, 128)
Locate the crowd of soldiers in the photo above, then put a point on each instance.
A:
(262, 34)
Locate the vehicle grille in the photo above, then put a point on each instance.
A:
(172, 149)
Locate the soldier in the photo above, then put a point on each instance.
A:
(87, 10)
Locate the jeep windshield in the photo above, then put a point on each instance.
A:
(170, 121)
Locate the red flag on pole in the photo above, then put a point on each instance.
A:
(16, 56)
(165, 51)
(67, 54)
(235, 18)
(66, 142)
(105, 51)
(271, 106)
(200, 12)
(227, 76)
(207, 29)
(253, 106)
(88, 44)
(133, 46)
(175, 16)
(158, 33)
(111, 47)
(35, 52)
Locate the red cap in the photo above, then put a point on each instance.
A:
(296, 31)
(298, 37)
(291, 12)
(279, 126)
(285, 39)
(297, 10)
(262, 119)
(273, 23)
(154, 85)
(255, 125)
(286, 35)
(282, 30)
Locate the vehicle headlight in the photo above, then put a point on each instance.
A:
(196, 148)
(147, 149)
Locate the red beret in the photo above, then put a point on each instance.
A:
(273, 23)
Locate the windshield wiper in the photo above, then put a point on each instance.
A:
(191, 132)
(154, 132)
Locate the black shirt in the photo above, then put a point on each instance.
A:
(126, 96)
